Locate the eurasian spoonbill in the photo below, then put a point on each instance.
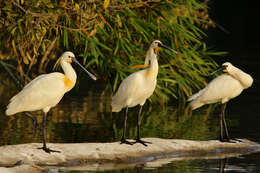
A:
(46, 91)
(222, 89)
(138, 87)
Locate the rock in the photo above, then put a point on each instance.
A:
(110, 155)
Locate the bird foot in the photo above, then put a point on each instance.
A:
(142, 142)
(230, 140)
(123, 141)
(235, 139)
(48, 150)
(238, 140)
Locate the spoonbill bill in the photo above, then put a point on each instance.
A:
(223, 88)
(46, 91)
(138, 87)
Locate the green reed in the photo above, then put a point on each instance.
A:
(111, 36)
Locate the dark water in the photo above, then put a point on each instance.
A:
(87, 118)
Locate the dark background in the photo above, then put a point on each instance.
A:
(241, 20)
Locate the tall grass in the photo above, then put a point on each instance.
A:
(111, 36)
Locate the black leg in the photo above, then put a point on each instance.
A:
(139, 119)
(226, 137)
(44, 147)
(224, 121)
(223, 138)
(123, 140)
(139, 122)
(221, 125)
(35, 123)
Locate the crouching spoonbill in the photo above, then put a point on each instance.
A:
(223, 88)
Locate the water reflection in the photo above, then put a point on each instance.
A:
(88, 119)
(180, 165)
(222, 165)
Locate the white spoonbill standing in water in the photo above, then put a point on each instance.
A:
(46, 91)
(222, 89)
(138, 87)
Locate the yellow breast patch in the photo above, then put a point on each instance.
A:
(149, 73)
(68, 83)
(156, 50)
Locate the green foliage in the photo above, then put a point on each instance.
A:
(112, 36)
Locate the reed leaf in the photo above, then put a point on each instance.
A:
(112, 36)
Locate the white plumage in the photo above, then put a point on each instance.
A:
(43, 92)
(222, 89)
(46, 91)
(135, 89)
(139, 86)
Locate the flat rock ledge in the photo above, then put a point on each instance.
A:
(27, 158)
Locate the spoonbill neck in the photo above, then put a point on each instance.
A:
(153, 69)
(69, 72)
(245, 79)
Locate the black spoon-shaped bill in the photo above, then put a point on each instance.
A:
(90, 74)
(165, 47)
(222, 68)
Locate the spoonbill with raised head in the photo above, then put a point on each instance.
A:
(138, 87)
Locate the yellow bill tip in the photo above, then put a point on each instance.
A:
(225, 70)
